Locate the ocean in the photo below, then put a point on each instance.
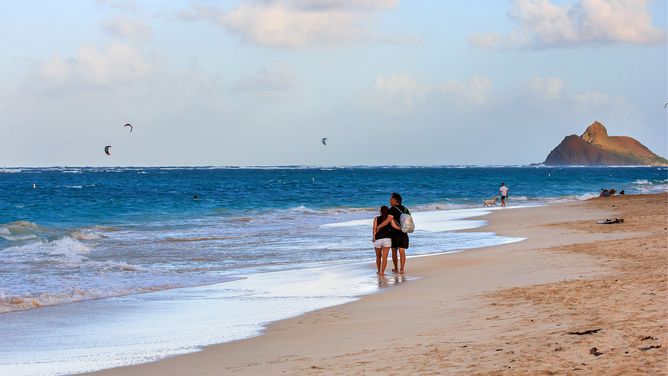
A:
(159, 261)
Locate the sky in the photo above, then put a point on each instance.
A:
(388, 82)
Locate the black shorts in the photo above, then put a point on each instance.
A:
(399, 240)
(503, 197)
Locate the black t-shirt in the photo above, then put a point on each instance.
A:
(396, 212)
(383, 232)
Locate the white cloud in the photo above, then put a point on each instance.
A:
(400, 94)
(281, 79)
(482, 40)
(119, 71)
(186, 15)
(464, 92)
(333, 4)
(396, 95)
(598, 99)
(121, 26)
(123, 5)
(118, 64)
(541, 24)
(549, 87)
(301, 23)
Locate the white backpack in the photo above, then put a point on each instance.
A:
(406, 222)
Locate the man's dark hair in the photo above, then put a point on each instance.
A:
(396, 197)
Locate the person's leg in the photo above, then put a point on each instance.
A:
(378, 255)
(395, 261)
(402, 252)
(386, 250)
(503, 201)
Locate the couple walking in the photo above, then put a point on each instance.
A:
(387, 234)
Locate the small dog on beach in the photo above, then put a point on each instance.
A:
(490, 202)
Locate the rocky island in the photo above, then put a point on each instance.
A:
(596, 148)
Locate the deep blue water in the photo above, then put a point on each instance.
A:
(89, 233)
(104, 196)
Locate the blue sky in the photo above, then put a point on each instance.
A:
(389, 82)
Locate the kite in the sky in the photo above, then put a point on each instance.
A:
(324, 141)
(106, 149)
(128, 125)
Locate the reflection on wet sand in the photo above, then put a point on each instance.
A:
(388, 280)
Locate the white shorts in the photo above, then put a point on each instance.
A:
(382, 243)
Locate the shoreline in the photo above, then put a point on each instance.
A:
(424, 319)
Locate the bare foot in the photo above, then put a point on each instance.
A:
(394, 270)
(381, 273)
(401, 272)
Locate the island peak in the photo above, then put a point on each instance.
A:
(596, 148)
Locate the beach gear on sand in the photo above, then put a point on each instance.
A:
(609, 221)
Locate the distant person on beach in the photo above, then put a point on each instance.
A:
(399, 238)
(604, 193)
(622, 192)
(382, 239)
(612, 192)
(504, 194)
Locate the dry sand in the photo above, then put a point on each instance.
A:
(513, 309)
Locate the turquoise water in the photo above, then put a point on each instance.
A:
(88, 233)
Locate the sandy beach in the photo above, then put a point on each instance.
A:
(537, 307)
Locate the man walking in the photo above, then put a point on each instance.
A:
(399, 238)
(504, 194)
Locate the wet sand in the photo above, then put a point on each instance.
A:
(537, 307)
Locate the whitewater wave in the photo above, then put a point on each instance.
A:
(17, 237)
(21, 227)
(205, 238)
(653, 188)
(85, 235)
(10, 303)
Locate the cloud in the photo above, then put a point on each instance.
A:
(118, 64)
(123, 5)
(541, 24)
(396, 95)
(301, 23)
(186, 15)
(399, 40)
(319, 5)
(549, 87)
(281, 79)
(481, 40)
(121, 26)
(598, 99)
(464, 92)
(402, 93)
(119, 71)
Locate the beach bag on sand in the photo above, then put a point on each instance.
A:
(406, 222)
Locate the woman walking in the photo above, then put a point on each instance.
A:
(382, 240)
